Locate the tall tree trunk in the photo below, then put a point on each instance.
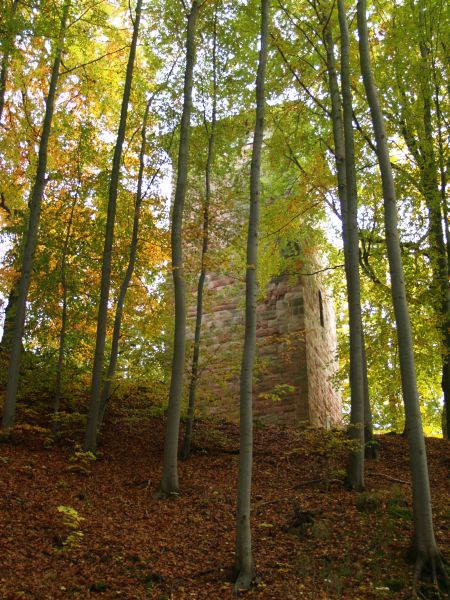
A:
(244, 566)
(10, 315)
(9, 409)
(371, 446)
(6, 55)
(63, 280)
(428, 558)
(361, 409)
(420, 142)
(440, 284)
(90, 442)
(433, 198)
(443, 195)
(169, 480)
(112, 364)
(63, 330)
(128, 273)
(186, 449)
(11, 307)
(344, 152)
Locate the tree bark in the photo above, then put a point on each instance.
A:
(90, 443)
(424, 544)
(244, 566)
(128, 273)
(9, 409)
(371, 446)
(421, 144)
(443, 176)
(63, 330)
(186, 448)
(436, 207)
(357, 348)
(10, 315)
(169, 480)
(344, 152)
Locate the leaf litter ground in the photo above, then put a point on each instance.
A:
(312, 538)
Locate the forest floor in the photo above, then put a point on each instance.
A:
(110, 539)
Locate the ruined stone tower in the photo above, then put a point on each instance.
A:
(296, 334)
(296, 351)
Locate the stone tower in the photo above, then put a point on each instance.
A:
(296, 351)
(296, 334)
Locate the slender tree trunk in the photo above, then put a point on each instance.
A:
(424, 545)
(9, 409)
(433, 198)
(371, 446)
(361, 409)
(128, 273)
(186, 449)
(244, 566)
(10, 315)
(421, 143)
(443, 195)
(344, 151)
(90, 442)
(169, 480)
(440, 284)
(63, 330)
(112, 364)
(7, 43)
(446, 363)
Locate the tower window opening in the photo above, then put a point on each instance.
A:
(321, 317)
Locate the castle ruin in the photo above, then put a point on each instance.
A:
(296, 351)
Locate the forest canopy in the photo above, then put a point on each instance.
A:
(299, 194)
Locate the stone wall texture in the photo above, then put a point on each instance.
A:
(296, 351)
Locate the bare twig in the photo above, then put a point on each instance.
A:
(305, 210)
(90, 62)
(386, 476)
(309, 482)
(311, 273)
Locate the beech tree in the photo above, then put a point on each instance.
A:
(316, 30)
(129, 270)
(9, 409)
(419, 122)
(90, 442)
(186, 448)
(345, 167)
(428, 559)
(244, 566)
(169, 480)
(65, 292)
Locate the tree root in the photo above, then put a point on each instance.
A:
(431, 578)
(160, 494)
(244, 576)
(244, 581)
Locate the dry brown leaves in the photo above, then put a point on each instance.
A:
(312, 538)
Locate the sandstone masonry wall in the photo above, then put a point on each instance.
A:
(321, 354)
(295, 352)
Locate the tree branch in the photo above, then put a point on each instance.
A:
(90, 62)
